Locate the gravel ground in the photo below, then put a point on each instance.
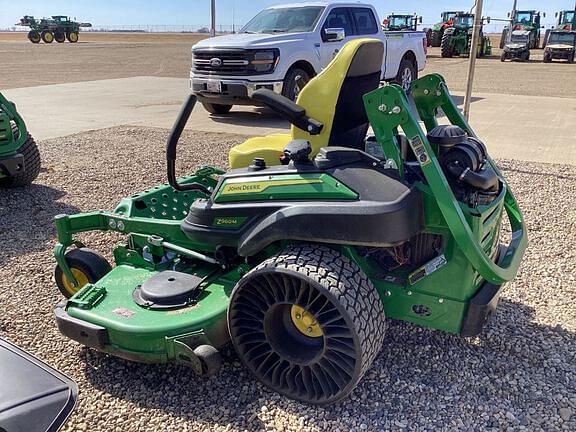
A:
(519, 375)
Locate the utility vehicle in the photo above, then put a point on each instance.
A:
(457, 39)
(561, 46)
(298, 253)
(437, 32)
(285, 46)
(19, 155)
(518, 48)
(529, 20)
(565, 20)
(58, 28)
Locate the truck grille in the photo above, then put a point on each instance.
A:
(219, 62)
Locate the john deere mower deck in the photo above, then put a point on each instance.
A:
(19, 156)
(297, 262)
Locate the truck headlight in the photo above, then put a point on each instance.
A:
(265, 61)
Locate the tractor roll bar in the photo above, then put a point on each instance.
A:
(172, 143)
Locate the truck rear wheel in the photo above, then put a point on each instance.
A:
(307, 323)
(213, 108)
(407, 73)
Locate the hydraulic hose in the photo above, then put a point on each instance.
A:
(172, 143)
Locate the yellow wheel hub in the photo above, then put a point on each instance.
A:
(305, 322)
(81, 278)
(73, 37)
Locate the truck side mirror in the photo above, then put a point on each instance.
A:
(487, 20)
(544, 14)
(420, 20)
(508, 14)
(334, 34)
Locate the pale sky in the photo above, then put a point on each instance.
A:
(196, 12)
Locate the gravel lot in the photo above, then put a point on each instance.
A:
(519, 375)
(108, 55)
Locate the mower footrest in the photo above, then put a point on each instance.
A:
(480, 309)
(83, 332)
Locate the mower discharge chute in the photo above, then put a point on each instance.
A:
(298, 255)
(19, 155)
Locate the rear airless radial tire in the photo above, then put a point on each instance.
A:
(307, 322)
(32, 163)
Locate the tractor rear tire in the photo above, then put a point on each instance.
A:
(216, 108)
(446, 48)
(436, 39)
(88, 266)
(32, 163)
(60, 37)
(47, 36)
(307, 323)
(546, 36)
(72, 37)
(34, 37)
(503, 38)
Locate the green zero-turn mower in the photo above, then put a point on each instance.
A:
(19, 155)
(298, 257)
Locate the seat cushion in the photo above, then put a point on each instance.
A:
(270, 148)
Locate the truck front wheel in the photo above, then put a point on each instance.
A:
(294, 82)
(216, 108)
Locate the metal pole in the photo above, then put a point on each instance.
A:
(511, 25)
(213, 18)
(473, 53)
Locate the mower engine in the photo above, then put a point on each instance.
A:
(463, 160)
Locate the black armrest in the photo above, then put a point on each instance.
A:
(292, 112)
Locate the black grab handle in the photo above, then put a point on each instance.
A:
(172, 143)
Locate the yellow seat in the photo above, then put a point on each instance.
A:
(334, 98)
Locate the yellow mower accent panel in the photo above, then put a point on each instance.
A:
(319, 98)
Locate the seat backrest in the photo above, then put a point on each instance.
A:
(334, 97)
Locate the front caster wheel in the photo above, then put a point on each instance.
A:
(307, 323)
(87, 266)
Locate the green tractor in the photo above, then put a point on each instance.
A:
(565, 20)
(299, 252)
(57, 28)
(19, 155)
(437, 32)
(395, 22)
(524, 20)
(457, 40)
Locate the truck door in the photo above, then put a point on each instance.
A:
(338, 18)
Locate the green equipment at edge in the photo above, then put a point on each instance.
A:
(19, 155)
(298, 258)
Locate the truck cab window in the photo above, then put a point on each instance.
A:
(365, 21)
(339, 18)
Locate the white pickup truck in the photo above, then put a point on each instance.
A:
(284, 46)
